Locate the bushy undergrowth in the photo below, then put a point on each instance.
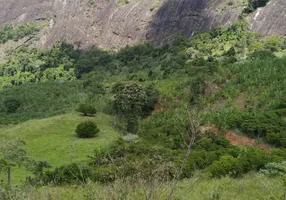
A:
(274, 169)
(86, 109)
(254, 4)
(213, 155)
(252, 186)
(255, 93)
(230, 74)
(27, 65)
(39, 100)
(16, 33)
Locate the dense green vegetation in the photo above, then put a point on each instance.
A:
(230, 79)
(86, 109)
(16, 33)
(31, 65)
(254, 4)
(39, 101)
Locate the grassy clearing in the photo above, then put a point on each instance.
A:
(54, 140)
(250, 187)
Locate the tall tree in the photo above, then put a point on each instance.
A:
(129, 100)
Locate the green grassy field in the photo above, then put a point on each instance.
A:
(54, 140)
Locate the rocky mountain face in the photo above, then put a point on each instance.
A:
(188, 16)
(271, 19)
(115, 23)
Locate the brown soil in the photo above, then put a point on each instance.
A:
(238, 140)
(233, 138)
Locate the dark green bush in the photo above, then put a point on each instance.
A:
(11, 105)
(227, 165)
(247, 160)
(86, 109)
(152, 99)
(265, 54)
(40, 100)
(256, 158)
(260, 124)
(92, 83)
(258, 3)
(277, 139)
(254, 4)
(72, 173)
(87, 129)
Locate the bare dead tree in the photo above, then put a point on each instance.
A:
(193, 117)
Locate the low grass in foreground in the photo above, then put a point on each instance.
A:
(252, 186)
(54, 139)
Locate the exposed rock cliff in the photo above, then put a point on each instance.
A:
(105, 23)
(109, 24)
(271, 19)
(188, 16)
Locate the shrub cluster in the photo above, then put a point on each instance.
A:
(11, 105)
(86, 129)
(248, 160)
(211, 154)
(254, 4)
(274, 169)
(255, 124)
(68, 174)
(17, 33)
(86, 109)
(38, 101)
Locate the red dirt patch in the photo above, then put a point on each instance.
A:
(233, 138)
(238, 140)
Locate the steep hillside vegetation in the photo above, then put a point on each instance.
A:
(54, 140)
(155, 99)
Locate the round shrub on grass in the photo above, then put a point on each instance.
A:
(86, 129)
(86, 109)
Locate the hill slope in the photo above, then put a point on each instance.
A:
(115, 23)
(54, 140)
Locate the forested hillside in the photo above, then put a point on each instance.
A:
(203, 117)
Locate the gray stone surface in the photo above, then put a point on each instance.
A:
(188, 16)
(271, 19)
(108, 25)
